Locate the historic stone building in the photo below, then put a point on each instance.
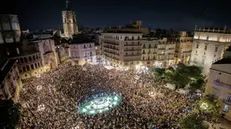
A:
(183, 48)
(208, 46)
(69, 22)
(10, 81)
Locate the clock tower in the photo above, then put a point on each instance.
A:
(69, 21)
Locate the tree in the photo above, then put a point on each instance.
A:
(197, 84)
(193, 121)
(10, 114)
(159, 73)
(209, 105)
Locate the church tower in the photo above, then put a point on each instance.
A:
(69, 21)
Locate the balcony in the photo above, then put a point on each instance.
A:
(221, 84)
(227, 101)
(135, 44)
(113, 53)
(112, 43)
(109, 47)
(132, 50)
(171, 48)
(161, 48)
(186, 51)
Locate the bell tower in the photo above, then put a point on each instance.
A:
(69, 21)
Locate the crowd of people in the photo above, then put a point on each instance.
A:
(50, 101)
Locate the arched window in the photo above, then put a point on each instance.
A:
(32, 66)
(28, 68)
(25, 59)
(30, 59)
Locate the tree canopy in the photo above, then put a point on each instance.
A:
(181, 76)
(210, 106)
(9, 114)
(193, 121)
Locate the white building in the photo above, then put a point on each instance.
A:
(219, 83)
(209, 46)
(82, 51)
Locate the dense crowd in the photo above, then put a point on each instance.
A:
(50, 101)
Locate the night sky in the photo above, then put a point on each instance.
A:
(176, 14)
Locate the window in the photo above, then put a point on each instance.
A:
(228, 99)
(148, 58)
(30, 59)
(21, 60)
(27, 68)
(24, 69)
(144, 46)
(143, 57)
(197, 46)
(36, 66)
(84, 46)
(216, 48)
(143, 51)
(132, 38)
(34, 57)
(90, 53)
(90, 45)
(196, 52)
(149, 46)
(25, 59)
(205, 47)
(32, 66)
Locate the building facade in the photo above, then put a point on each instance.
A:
(133, 50)
(10, 81)
(81, 53)
(183, 48)
(69, 22)
(208, 46)
(9, 29)
(219, 83)
(121, 49)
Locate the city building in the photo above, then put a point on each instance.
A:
(82, 50)
(69, 21)
(183, 48)
(10, 81)
(121, 49)
(10, 33)
(208, 46)
(219, 83)
(9, 29)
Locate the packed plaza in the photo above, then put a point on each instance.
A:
(51, 100)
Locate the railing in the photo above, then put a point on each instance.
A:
(113, 48)
(186, 51)
(226, 101)
(161, 48)
(132, 44)
(111, 43)
(132, 50)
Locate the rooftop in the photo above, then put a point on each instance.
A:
(80, 39)
(224, 61)
(213, 30)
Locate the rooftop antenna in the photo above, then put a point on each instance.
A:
(67, 2)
